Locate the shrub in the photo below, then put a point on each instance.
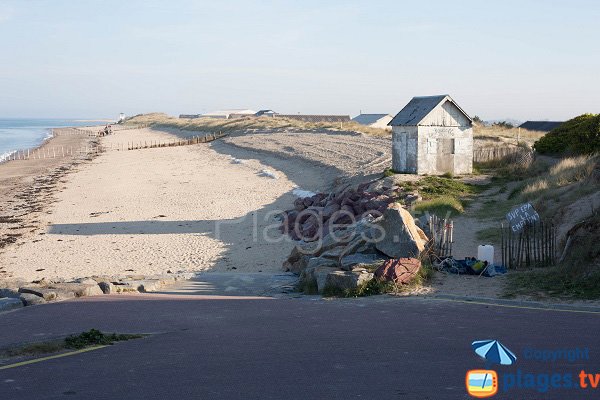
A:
(580, 135)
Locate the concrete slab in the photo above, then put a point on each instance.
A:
(235, 284)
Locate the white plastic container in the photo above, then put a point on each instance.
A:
(485, 252)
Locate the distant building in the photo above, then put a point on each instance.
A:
(227, 114)
(315, 118)
(432, 135)
(189, 116)
(265, 113)
(374, 120)
(541, 126)
(121, 117)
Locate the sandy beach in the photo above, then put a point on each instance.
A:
(151, 211)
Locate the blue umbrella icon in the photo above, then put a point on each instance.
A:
(494, 352)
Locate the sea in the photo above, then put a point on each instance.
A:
(27, 133)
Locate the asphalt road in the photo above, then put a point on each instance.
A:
(207, 347)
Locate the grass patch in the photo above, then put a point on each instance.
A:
(444, 205)
(389, 172)
(442, 195)
(554, 282)
(34, 349)
(93, 337)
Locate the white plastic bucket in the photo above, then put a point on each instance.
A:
(485, 252)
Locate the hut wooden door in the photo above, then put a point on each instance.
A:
(445, 155)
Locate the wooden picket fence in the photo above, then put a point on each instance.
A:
(534, 246)
(506, 153)
(66, 151)
(441, 237)
(153, 144)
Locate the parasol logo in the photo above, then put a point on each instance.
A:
(482, 383)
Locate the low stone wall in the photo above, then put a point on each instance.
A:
(17, 293)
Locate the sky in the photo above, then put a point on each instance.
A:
(526, 59)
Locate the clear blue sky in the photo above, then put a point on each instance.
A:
(526, 59)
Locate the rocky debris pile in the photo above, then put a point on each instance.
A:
(348, 257)
(313, 218)
(18, 293)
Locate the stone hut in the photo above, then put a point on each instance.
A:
(432, 135)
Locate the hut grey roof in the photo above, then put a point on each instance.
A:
(419, 107)
(542, 126)
(368, 119)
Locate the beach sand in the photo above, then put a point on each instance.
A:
(150, 211)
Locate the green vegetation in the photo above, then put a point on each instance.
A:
(33, 349)
(554, 282)
(94, 337)
(578, 276)
(549, 188)
(214, 125)
(442, 195)
(580, 135)
(389, 172)
(444, 205)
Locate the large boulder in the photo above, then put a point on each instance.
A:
(316, 276)
(45, 293)
(402, 238)
(400, 271)
(29, 299)
(78, 289)
(347, 280)
(349, 262)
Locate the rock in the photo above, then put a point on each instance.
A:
(9, 303)
(29, 299)
(401, 239)
(412, 198)
(350, 261)
(316, 276)
(342, 280)
(400, 271)
(330, 209)
(107, 287)
(78, 289)
(45, 293)
(141, 286)
(86, 281)
(315, 262)
(333, 254)
(298, 258)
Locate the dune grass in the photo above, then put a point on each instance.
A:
(548, 187)
(214, 125)
(494, 131)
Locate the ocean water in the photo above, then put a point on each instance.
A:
(20, 134)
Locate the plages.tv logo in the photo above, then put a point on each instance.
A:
(482, 383)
